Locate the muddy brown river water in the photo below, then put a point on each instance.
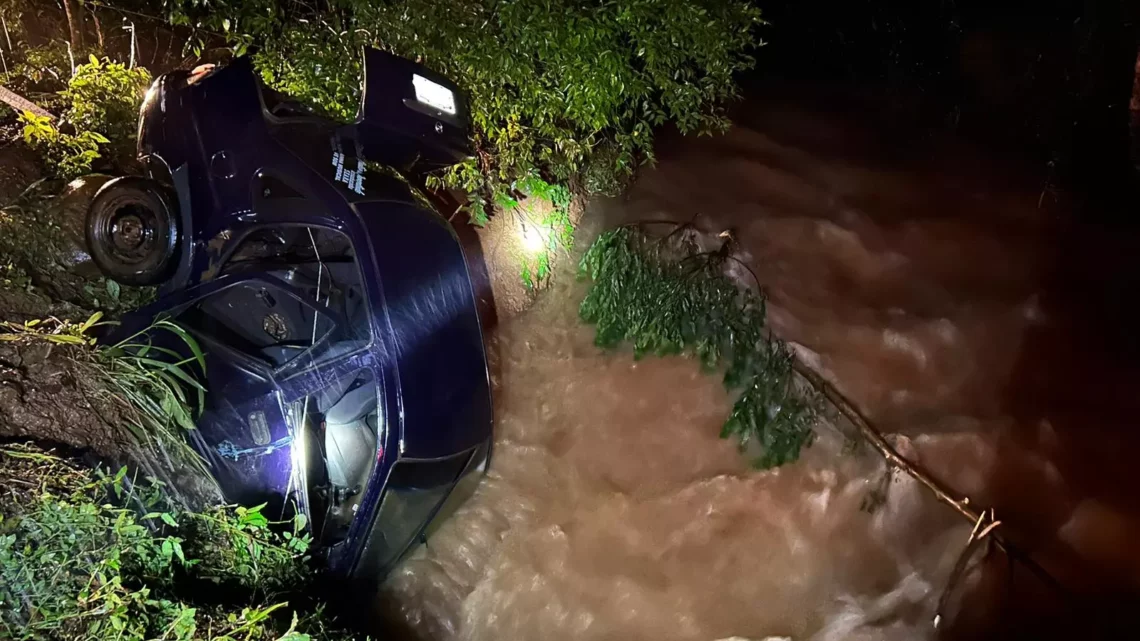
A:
(940, 291)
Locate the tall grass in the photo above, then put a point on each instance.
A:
(158, 387)
(156, 391)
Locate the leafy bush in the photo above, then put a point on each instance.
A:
(666, 296)
(99, 112)
(41, 72)
(555, 85)
(66, 155)
(104, 97)
(84, 555)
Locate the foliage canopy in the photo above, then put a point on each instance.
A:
(556, 86)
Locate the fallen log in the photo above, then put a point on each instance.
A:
(21, 104)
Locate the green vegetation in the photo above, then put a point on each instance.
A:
(550, 232)
(86, 555)
(666, 296)
(104, 97)
(39, 239)
(38, 72)
(567, 91)
(99, 106)
(153, 391)
(67, 155)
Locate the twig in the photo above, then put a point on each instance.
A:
(962, 505)
(976, 539)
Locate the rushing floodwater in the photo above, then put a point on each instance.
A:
(930, 287)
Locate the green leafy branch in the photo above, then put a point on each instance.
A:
(550, 232)
(69, 155)
(665, 296)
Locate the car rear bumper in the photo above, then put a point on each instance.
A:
(417, 499)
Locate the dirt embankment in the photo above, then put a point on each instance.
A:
(47, 395)
(42, 391)
(51, 392)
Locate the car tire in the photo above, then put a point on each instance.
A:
(133, 231)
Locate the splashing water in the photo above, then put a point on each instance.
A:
(613, 510)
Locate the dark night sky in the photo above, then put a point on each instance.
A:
(1051, 79)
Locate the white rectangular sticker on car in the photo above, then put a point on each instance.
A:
(434, 94)
(353, 178)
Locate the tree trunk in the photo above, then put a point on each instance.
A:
(74, 23)
(98, 30)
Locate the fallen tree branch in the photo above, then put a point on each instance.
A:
(986, 525)
(983, 520)
(20, 103)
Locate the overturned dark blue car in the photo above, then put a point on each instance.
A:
(345, 362)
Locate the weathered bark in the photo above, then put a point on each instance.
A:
(74, 23)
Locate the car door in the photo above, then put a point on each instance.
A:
(249, 327)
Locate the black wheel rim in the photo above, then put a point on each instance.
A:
(129, 233)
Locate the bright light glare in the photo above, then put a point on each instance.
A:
(296, 422)
(151, 93)
(433, 94)
(299, 453)
(532, 239)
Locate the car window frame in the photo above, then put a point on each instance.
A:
(200, 292)
(290, 370)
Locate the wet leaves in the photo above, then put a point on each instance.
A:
(665, 296)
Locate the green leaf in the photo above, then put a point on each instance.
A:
(90, 322)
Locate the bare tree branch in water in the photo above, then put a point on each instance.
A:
(986, 525)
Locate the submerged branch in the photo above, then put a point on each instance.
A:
(644, 291)
(984, 518)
